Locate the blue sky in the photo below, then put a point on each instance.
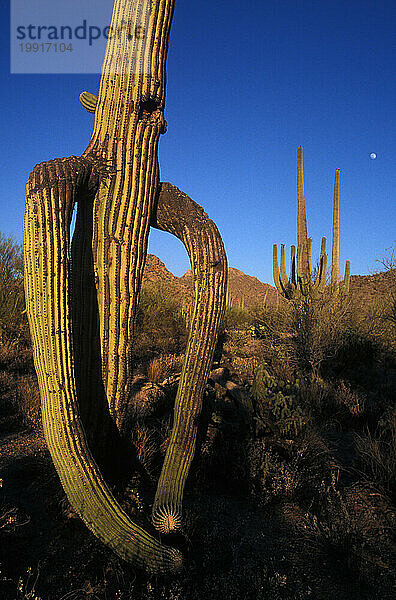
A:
(248, 82)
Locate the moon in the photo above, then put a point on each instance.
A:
(373, 156)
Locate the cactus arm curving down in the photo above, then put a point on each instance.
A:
(51, 192)
(176, 213)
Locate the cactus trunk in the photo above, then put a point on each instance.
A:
(126, 143)
(302, 234)
(82, 314)
(335, 259)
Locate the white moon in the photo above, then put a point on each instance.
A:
(373, 156)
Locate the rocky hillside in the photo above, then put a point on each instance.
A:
(249, 291)
(244, 289)
(370, 286)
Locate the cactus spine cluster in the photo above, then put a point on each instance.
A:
(82, 296)
(300, 282)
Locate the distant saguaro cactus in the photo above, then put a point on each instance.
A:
(82, 297)
(300, 282)
(335, 259)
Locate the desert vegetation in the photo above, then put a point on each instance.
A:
(292, 488)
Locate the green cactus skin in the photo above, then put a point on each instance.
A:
(293, 265)
(300, 282)
(52, 190)
(292, 288)
(128, 122)
(176, 213)
(81, 312)
(320, 280)
(115, 184)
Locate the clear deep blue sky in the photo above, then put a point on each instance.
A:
(247, 83)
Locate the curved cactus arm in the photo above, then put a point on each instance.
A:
(176, 213)
(51, 192)
(275, 270)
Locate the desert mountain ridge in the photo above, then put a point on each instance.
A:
(242, 288)
(250, 290)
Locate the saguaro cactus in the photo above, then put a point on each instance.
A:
(82, 298)
(300, 282)
(335, 259)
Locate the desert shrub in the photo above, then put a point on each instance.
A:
(319, 324)
(354, 354)
(146, 445)
(155, 370)
(285, 470)
(15, 358)
(353, 401)
(333, 338)
(236, 317)
(388, 314)
(160, 326)
(272, 326)
(375, 456)
(13, 320)
(352, 534)
(276, 404)
(270, 321)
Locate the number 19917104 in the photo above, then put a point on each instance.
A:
(46, 47)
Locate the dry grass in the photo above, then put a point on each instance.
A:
(146, 446)
(155, 370)
(27, 397)
(376, 457)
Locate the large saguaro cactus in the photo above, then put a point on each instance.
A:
(300, 282)
(82, 296)
(335, 257)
